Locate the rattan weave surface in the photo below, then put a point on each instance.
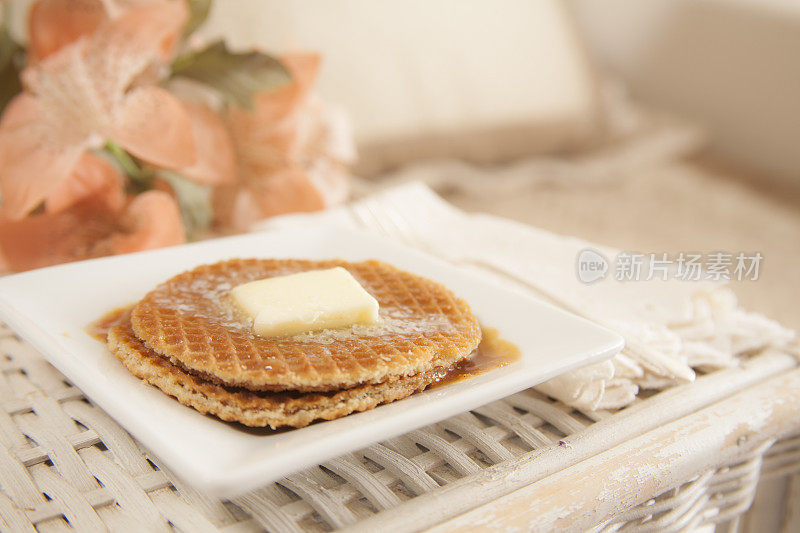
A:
(65, 465)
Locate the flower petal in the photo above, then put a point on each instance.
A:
(331, 180)
(235, 208)
(20, 111)
(273, 108)
(48, 239)
(53, 24)
(93, 178)
(155, 126)
(88, 229)
(83, 85)
(152, 220)
(124, 47)
(38, 240)
(31, 164)
(287, 190)
(276, 104)
(216, 159)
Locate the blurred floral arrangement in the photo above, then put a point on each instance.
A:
(120, 132)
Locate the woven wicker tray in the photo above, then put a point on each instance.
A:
(64, 463)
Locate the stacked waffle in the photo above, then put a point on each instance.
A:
(186, 338)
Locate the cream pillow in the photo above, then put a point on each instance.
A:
(478, 79)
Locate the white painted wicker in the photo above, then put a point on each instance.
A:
(65, 464)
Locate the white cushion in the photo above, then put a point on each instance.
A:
(480, 79)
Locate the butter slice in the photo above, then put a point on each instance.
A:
(308, 301)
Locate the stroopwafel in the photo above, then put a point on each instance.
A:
(257, 409)
(190, 320)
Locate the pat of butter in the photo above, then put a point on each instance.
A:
(308, 301)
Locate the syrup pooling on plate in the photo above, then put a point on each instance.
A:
(99, 328)
(493, 352)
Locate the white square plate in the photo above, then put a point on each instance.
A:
(51, 307)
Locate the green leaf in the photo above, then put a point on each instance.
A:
(198, 13)
(194, 201)
(237, 76)
(10, 67)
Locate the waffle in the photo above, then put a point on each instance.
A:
(256, 409)
(190, 320)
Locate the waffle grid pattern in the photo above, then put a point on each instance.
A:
(65, 465)
(296, 363)
(257, 409)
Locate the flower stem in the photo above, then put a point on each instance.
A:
(131, 168)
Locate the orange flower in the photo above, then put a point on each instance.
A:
(53, 24)
(90, 217)
(292, 152)
(151, 220)
(86, 93)
(93, 178)
(215, 163)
